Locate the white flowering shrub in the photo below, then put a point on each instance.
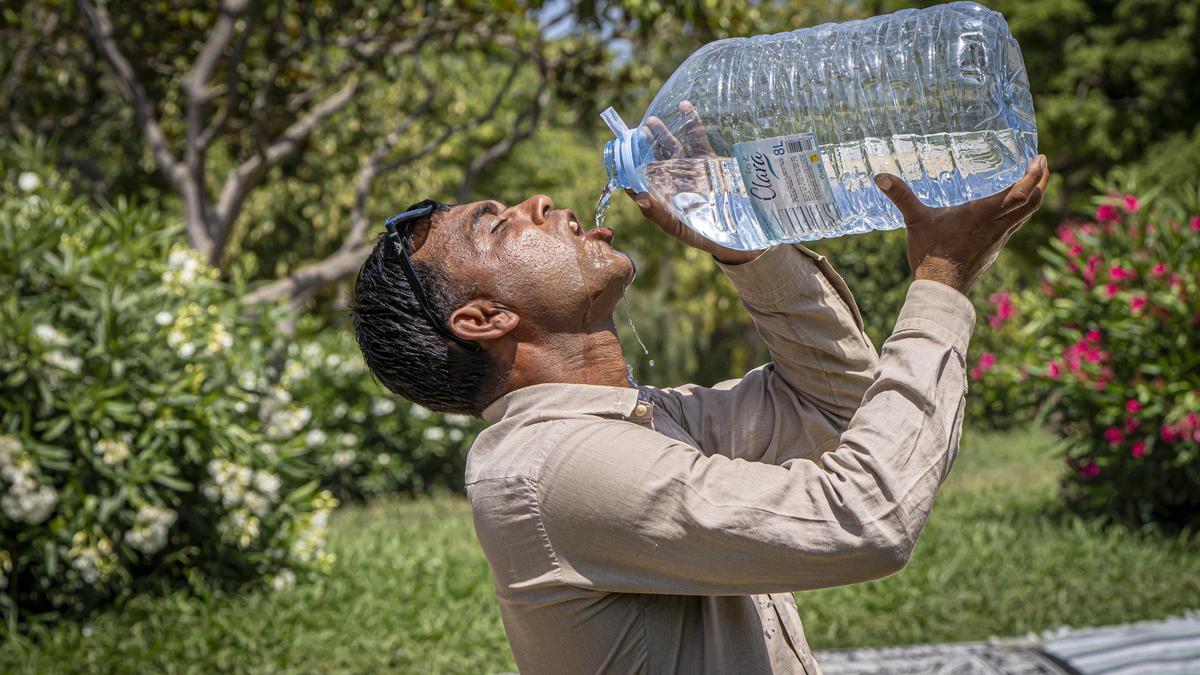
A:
(366, 440)
(131, 446)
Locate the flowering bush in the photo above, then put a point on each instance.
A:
(131, 449)
(1107, 342)
(365, 440)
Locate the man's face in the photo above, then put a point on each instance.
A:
(532, 258)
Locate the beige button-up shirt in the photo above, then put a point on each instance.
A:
(663, 530)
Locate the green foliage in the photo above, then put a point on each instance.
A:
(410, 591)
(129, 446)
(1108, 343)
(363, 440)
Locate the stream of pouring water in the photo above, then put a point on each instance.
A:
(601, 212)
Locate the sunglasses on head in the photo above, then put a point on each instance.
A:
(399, 229)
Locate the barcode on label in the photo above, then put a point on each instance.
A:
(802, 144)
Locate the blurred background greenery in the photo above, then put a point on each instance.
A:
(268, 140)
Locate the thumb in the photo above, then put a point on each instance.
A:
(902, 196)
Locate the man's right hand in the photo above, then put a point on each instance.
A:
(956, 244)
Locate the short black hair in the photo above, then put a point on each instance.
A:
(401, 349)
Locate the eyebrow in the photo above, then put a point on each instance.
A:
(481, 211)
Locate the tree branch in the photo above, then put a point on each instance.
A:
(337, 266)
(241, 181)
(101, 32)
(523, 127)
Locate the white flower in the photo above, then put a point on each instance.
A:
(149, 533)
(220, 341)
(384, 459)
(49, 335)
(267, 449)
(164, 318)
(147, 406)
(29, 181)
(358, 416)
(343, 458)
(348, 439)
(434, 434)
(420, 412)
(382, 406)
(333, 361)
(112, 452)
(248, 380)
(240, 407)
(64, 361)
(175, 338)
(340, 410)
(186, 350)
(29, 503)
(267, 483)
(183, 267)
(311, 351)
(457, 420)
(315, 437)
(257, 503)
(284, 580)
(456, 435)
(94, 561)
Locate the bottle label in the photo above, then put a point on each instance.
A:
(787, 184)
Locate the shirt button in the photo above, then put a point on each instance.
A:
(641, 410)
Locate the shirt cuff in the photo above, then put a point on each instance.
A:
(777, 274)
(935, 308)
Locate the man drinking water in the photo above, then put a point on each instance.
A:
(637, 529)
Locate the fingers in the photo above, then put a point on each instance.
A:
(642, 199)
(694, 133)
(902, 196)
(669, 145)
(1037, 174)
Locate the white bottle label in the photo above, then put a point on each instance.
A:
(786, 183)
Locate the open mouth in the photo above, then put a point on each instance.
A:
(601, 233)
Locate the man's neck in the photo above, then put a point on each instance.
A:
(578, 358)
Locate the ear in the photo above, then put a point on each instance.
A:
(483, 320)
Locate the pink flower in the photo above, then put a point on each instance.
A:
(1093, 336)
(1168, 433)
(1088, 470)
(1107, 213)
(1131, 203)
(1158, 270)
(1066, 235)
(1076, 250)
(1194, 224)
(1004, 309)
(1138, 449)
(1114, 436)
(1133, 407)
(985, 363)
(1089, 274)
(1130, 425)
(1137, 303)
(1110, 291)
(1053, 370)
(1118, 273)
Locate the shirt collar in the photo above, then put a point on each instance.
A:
(557, 397)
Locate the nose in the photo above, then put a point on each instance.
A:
(537, 207)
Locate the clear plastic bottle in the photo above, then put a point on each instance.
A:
(775, 138)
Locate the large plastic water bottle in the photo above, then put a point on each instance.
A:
(775, 138)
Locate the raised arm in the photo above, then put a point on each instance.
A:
(640, 513)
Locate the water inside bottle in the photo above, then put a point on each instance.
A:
(943, 169)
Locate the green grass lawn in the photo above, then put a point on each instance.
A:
(411, 591)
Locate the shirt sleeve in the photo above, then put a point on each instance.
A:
(626, 509)
(822, 363)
